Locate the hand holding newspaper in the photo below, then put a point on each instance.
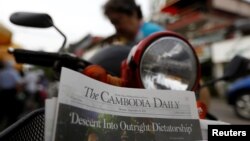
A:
(91, 110)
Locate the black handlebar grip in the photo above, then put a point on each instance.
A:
(34, 57)
(48, 59)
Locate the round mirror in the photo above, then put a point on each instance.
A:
(170, 63)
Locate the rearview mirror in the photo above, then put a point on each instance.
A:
(38, 20)
(165, 60)
(239, 66)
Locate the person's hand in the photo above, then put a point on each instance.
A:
(99, 73)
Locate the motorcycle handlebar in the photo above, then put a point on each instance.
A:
(48, 59)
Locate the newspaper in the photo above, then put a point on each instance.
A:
(91, 110)
(50, 110)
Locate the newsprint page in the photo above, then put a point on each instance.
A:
(89, 110)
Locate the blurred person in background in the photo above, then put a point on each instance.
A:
(35, 85)
(6, 42)
(10, 80)
(10, 86)
(127, 18)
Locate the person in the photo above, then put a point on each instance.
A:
(127, 18)
(10, 85)
(6, 37)
(32, 88)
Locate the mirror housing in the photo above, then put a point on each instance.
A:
(238, 67)
(164, 60)
(38, 20)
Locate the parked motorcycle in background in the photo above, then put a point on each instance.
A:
(238, 94)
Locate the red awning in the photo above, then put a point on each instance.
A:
(186, 20)
(170, 10)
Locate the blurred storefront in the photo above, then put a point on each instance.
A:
(206, 24)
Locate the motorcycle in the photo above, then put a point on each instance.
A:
(164, 60)
(173, 53)
(238, 93)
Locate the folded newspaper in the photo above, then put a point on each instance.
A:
(89, 110)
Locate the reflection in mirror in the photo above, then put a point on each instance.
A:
(169, 63)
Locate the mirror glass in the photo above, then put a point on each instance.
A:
(169, 63)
